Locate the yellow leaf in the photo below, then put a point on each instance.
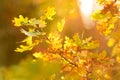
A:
(50, 13)
(19, 21)
(55, 39)
(23, 48)
(29, 45)
(68, 42)
(37, 55)
(60, 25)
(28, 40)
(111, 42)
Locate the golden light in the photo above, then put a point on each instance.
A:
(86, 6)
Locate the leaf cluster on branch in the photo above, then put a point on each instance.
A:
(78, 56)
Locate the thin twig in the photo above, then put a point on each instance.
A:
(45, 35)
(61, 51)
(68, 60)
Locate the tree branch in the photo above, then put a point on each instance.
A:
(61, 51)
(67, 60)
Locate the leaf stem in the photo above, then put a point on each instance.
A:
(67, 59)
(61, 51)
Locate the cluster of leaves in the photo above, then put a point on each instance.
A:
(107, 17)
(107, 20)
(78, 56)
(33, 32)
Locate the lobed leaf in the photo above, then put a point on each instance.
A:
(20, 21)
(50, 13)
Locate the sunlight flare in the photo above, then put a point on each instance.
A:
(86, 6)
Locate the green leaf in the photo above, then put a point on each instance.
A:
(34, 22)
(31, 32)
(37, 23)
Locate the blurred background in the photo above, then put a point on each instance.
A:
(76, 13)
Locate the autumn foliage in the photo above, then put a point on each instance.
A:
(77, 57)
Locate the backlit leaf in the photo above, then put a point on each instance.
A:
(31, 32)
(50, 13)
(29, 45)
(20, 21)
(60, 25)
(23, 48)
(37, 55)
(111, 42)
(77, 39)
(68, 42)
(54, 40)
(28, 40)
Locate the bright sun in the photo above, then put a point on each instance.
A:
(86, 6)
